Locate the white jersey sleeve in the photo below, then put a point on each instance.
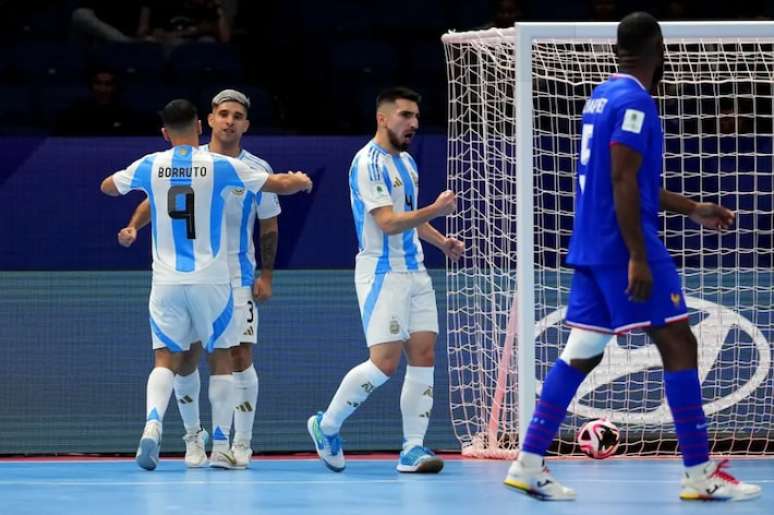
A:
(267, 204)
(253, 177)
(126, 180)
(370, 181)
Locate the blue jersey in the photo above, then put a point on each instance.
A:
(620, 111)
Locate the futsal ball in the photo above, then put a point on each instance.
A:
(599, 439)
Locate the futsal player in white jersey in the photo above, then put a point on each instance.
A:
(191, 298)
(396, 296)
(233, 380)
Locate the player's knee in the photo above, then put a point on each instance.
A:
(241, 356)
(584, 349)
(387, 364)
(422, 356)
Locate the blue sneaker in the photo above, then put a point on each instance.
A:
(419, 459)
(148, 451)
(328, 447)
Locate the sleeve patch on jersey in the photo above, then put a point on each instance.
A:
(633, 120)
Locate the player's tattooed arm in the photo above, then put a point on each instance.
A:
(262, 290)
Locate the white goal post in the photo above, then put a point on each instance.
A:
(515, 101)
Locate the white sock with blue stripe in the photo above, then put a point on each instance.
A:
(222, 401)
(158, 391)
(416, 403)
(355, 388)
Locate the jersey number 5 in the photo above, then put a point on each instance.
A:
(187, 213)
(588, 131)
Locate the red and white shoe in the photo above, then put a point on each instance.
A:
(715, 484)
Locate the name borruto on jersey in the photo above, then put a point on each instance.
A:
(187, 172)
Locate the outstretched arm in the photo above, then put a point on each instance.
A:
(287, 183)
(140, 218)
(707, 214)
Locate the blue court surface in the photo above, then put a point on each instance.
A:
(368, 487)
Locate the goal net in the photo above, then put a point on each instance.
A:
(512, 161)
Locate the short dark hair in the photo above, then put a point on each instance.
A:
(636, 34)
(178, 114)
(395, 93)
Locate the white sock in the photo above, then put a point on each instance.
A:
(187, 390)
(697, 471)
(245, 398)
(158, 391)
(355, 388)
(222, 402)
(416, 403)
(530, 460)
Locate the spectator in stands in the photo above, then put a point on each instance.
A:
(174, 23)
(101, 113)
(106, 21)
(603, 10)
(506, 13)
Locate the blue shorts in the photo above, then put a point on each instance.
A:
(598, 299)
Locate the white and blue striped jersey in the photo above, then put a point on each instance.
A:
(242, 208)
(187, 189)
(377, 179)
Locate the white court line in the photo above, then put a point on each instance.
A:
(177, 484)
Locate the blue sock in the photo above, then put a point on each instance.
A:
(683, 391)
(559, 388)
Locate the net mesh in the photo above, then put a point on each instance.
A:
(716, 107)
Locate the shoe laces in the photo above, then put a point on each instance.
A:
(334, 442)
(240, 445)
(417, 451)
(723, 475)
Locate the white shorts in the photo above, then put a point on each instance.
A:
(184, 313)
(246, 313)
(395, 305)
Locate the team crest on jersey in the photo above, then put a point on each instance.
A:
(394, 326)
(239, 191)
(676, 299)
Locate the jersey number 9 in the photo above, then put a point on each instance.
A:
(187, 213)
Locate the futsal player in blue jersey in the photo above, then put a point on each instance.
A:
(394, 291)
(191, 297)
(233, 383)
(624, 278)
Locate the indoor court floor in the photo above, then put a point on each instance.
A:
(369, 486)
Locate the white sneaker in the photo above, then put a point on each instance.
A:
(537, 482)
(328, 447)
(147, 455)
(195, 455)
(242, 453)
(715, 484)
(223, 458)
